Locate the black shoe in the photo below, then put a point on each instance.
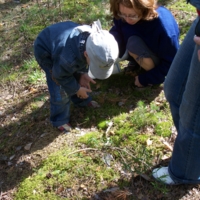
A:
(133, 69)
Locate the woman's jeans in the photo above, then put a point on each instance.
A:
(137, 46)
(59, 100)
(182, 90)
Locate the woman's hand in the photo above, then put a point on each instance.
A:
(197, 41)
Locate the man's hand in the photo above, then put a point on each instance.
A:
(82, 93)
(137, 82)
(197, 41)
(85, 80)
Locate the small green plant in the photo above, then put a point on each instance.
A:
(103, 125)
(8, 74)
(163, 129)
(92, 139)
(36, 76)
(35, 73)
(158, 186)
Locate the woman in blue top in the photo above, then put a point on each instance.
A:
(149, 35)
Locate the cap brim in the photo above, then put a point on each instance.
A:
(95, 72)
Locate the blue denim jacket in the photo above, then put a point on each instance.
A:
(60, 47)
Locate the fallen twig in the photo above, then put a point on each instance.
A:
(86, 149)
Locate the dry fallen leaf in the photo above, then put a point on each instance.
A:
(167, 145)
(60, 189)
(165, 157)
(28, 146)
(33, 90)
(97, 86)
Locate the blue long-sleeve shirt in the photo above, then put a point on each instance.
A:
(161, 35)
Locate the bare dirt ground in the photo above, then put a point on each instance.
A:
(27, 146)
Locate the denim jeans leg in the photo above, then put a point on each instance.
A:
(182, 92)
(59, 101)
(176, 78)
(185, 162)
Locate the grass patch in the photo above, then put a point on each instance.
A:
(56, 175)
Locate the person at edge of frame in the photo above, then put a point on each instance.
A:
(182, 91)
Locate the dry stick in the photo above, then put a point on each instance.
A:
(121, 154)
(139, 159)
(166, 144)
(109, 127)
(86, 149)
(129, 154)
(60, 7)
(142, 175)
(14, 91)
(114, 148)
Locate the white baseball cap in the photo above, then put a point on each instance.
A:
(102, 50)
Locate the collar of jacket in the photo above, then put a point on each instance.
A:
(77, 42)
(83, 40)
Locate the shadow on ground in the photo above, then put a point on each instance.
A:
(26, 129)
(146, 188)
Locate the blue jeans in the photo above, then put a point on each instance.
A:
(182, 90)
(59, 100)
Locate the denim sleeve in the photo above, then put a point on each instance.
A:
(63, 72)
(69, 84)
